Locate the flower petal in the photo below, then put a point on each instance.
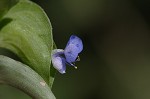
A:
(58, 61)
(76, 41)
(73, 48)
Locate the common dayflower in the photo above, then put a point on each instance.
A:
(68, 56)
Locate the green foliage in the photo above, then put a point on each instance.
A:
(26, 31)
(23, 77)
(5, 5)
(52, 70)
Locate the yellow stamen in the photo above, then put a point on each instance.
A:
(75, 67)
(78, 58)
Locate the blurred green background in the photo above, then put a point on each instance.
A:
(115, 62)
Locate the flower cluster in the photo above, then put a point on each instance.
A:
(69, 55)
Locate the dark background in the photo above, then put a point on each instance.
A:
(115, 62)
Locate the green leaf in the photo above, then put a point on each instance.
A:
(5, 5)
(26, 31)
(52, 70)
(23, 77)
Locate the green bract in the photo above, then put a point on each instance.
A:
(26, 31)
(23, 77)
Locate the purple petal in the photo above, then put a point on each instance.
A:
(77, 42)
(73, 48)
(58, 61)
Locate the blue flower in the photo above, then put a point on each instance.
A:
(69, 55)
